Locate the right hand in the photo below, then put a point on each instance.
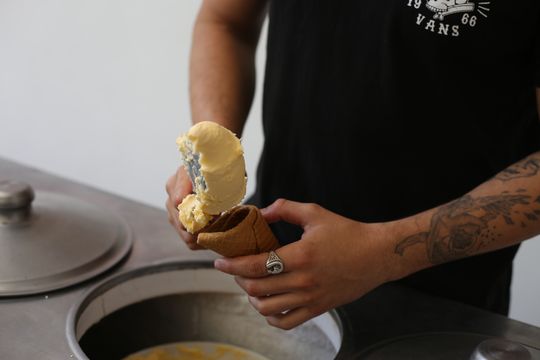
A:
(178, 187)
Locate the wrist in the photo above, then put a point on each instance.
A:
(399, 263)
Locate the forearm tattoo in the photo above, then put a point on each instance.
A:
(464, 226)
(530, 166)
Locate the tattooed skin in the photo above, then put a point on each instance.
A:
(461, 227)
(528, 167)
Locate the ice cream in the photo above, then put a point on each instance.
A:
(195, 350)
(191, 214)
(214, 159)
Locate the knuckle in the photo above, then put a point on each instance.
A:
(176, 199)
(264, 310)
(312, 208)
(307, 299)
(304, 258)
(306, 281)
(251, 288)
(279, 203)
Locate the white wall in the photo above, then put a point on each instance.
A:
(525, 304)
(96, 91)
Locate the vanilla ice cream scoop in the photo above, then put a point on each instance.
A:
(214, 160)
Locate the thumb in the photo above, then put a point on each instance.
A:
(289, 211)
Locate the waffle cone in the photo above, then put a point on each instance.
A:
(238, 232)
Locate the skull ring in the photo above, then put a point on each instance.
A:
(274, 264)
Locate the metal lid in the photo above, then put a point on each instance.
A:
(446, 345)
(54, 241)
(500, 349)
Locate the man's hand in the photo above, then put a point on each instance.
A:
(336, 261)
(178, 187)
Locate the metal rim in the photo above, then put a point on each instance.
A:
(383, 343)
(158, 267)
(91, 294)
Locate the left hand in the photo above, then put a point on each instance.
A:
(336, 261)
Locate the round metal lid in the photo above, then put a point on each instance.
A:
(54, 241)
(446, 346)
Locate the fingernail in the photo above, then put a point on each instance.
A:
(219, 264)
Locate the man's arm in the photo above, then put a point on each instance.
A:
(337, 260)
(222, 79)
(499, 213)
(222, 65)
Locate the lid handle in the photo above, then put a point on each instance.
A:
(15, 201)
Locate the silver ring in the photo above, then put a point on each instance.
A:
(274, 264)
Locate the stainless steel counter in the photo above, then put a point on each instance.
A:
(34, 327)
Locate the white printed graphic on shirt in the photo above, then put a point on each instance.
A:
(441, 8)
(471, 13)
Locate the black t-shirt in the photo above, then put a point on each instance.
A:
(380, 109)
